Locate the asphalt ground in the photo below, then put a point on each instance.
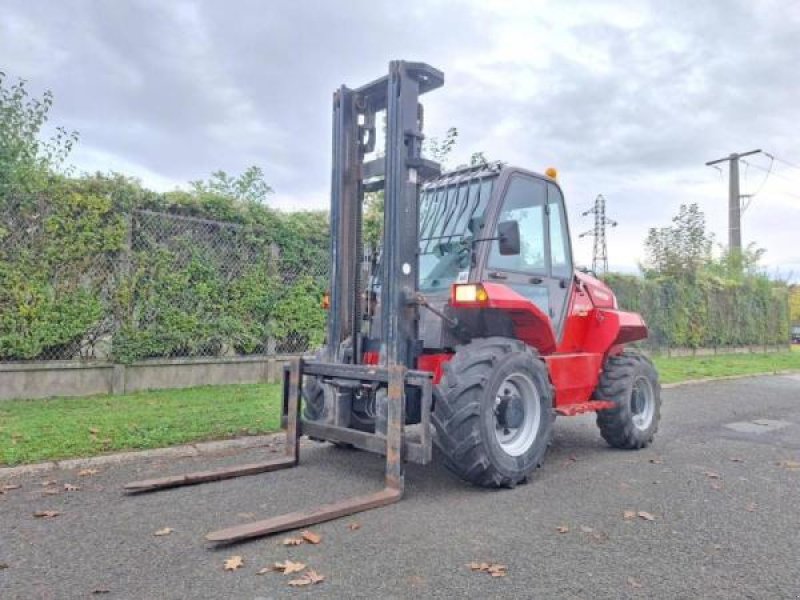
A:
(719, 481)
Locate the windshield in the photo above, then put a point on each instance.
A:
(449, 217)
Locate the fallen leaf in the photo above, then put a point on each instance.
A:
(736, 459)
(165, 531)
(493, 569)
(9, 486)
(655, 461)
(712, 475)
(233, 563)
(586, 529)
(790, 464)
(562, 529)
(46, 514)
(264, 570)
(600, 536)
(314, 576)
(498, 570)
(311, 537)
(292, 541)
(48, 482)
(68, 487)
(94, 430)
(633, 583)
(354, 526)
(629, 514)
(645, 515)
(287, 567)
(716, 486)
(87, 472)
(751, 507)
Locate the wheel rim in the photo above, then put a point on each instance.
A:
(517, 440)
(643, 403)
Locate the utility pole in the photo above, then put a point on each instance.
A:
(600, 250)
(734, 198)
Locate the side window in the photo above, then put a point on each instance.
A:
(524, 202)
(559, 240)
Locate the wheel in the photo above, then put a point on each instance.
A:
(494, 412)
(314, 409)
(630, 380)
(313, 400)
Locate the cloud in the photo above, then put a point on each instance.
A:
(628, 101)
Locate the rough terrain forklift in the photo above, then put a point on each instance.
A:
(470, 328)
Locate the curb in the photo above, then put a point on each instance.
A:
(183, 451)
(669, 386)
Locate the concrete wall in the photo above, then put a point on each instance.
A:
(727, 350)
(83, 378)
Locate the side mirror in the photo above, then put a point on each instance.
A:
(508, 238)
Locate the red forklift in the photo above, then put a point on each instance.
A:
(469, 327)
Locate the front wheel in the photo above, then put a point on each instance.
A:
(494, 412)
(630, 381)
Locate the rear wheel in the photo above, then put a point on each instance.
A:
(494, 412)
(313, 400)
(314, 409)
(630, 381)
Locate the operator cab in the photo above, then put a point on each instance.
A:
(466, 220)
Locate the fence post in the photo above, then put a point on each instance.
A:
(270, 348)
(123, 279)
(118, 380)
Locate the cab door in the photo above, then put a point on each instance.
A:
(524, 201)
(542, 270)
(561, 273)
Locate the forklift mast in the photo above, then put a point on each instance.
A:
(399, 171)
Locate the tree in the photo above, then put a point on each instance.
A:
(738, 265)
(247, 187)
(681, 249)
(478, 158)
(440, 150)
(25, 159)
(794, 304)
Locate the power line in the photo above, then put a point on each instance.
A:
(760, 187)
(774, 173)
(598, 232)
(786, 162)
(782, 176)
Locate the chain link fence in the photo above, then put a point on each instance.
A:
(80, 280)
(145, 284)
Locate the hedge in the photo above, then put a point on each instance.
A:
(73, 285)
(706, 312)
(87, 270)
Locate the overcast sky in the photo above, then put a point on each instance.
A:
(626, 99)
